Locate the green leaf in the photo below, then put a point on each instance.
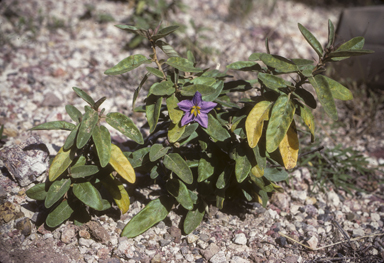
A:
(338, 91)
(208, 81)
(193, 218)
(81, 160)
(121, 164)
(55, 125)
(57, 191)
(281, 117)
(355, 43)
(194, 135)
(88, 194)
(243, 165)
(279, 63)
(255, 122)
(179, 191)
(117, 191)
(324, 95)
(137, 90)
(102, 141)
(152, 110)
(155, 72)
(164, 88)
(189, 130)
(82, 94)
(215, 130)
(261, 159)
(255, 56)
(205, 169)
(60, 163)
(37, 192)
(275, 175)
(154, 172)
(164, 32)
(124, 125)
(154, 212)
(309, 120)
(81, 171)
(89, 122)
(128, 64)
(132, 29)
(191, 57)
(223, 179)
(61, 213)
(176, 164)
(218, 86)
(304, 64)
(98, 103)
(244, 66)
(311, 39)
(174, 113)
(74, 113)
(182, 64)
(272, 82)
(331, 34)
(307, 97)
(70, 141)
(349, 53)
(157, 151)
(203, 89)
(166, 48)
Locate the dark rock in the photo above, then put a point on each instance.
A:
(282, 241)
(98, 232)
(199, 260)
(3, 193)
(51, 100)
(204, 237)
(323, 217)
(175, 233)
(24, 225)
(380, 208)
(165, 242)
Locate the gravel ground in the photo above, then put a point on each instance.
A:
(41, 60)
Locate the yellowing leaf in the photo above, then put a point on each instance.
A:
(257, 171)
(61, 162)
(121, 164)
(118, 192)
(289, 147)
(255, 121)
(175, 132)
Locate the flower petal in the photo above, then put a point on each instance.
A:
(207, 106)
(185, 105)
(197, 99)
(187, 118)
(202, 119)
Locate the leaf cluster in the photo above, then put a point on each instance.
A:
(246, 148)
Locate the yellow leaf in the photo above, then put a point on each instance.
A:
(118, 192)
(121, 164)
(289, 147)
(257, 171)
(61, 162)
(255, 121)
(278, 188)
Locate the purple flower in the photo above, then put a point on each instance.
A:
(196, 110)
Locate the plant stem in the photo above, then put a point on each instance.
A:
(157, 61)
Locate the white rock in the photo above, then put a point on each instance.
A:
(333, 198)
(358, 232)
(375, 217)
(218, 258)
(85, 242)
(240, 239)
(312, 242)
(237, 259)
(192, 238)
(273, 213)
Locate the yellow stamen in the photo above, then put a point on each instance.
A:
(195, 110)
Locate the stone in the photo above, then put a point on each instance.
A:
(299, 195)
(333, 198)
(156, 259)
(281, 200)
(240, 239)
(125, 249)
(175, 233)
(312, 242)
(204, 237)
(237, 259)
(102, 253)
(51, 100)
(27, 161)
(358, 232)
(84, 234)
(85, 242)
(210, 251)
(165, 242)
(291, 259)
(98, 232)
(68, 234)
(191, 238)
(375, 217)
(24, 225)
(218, 258)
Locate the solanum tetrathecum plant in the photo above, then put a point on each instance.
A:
(202, 147)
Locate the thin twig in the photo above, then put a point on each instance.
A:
(315, 150)
(334, 244)
(157, 61)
